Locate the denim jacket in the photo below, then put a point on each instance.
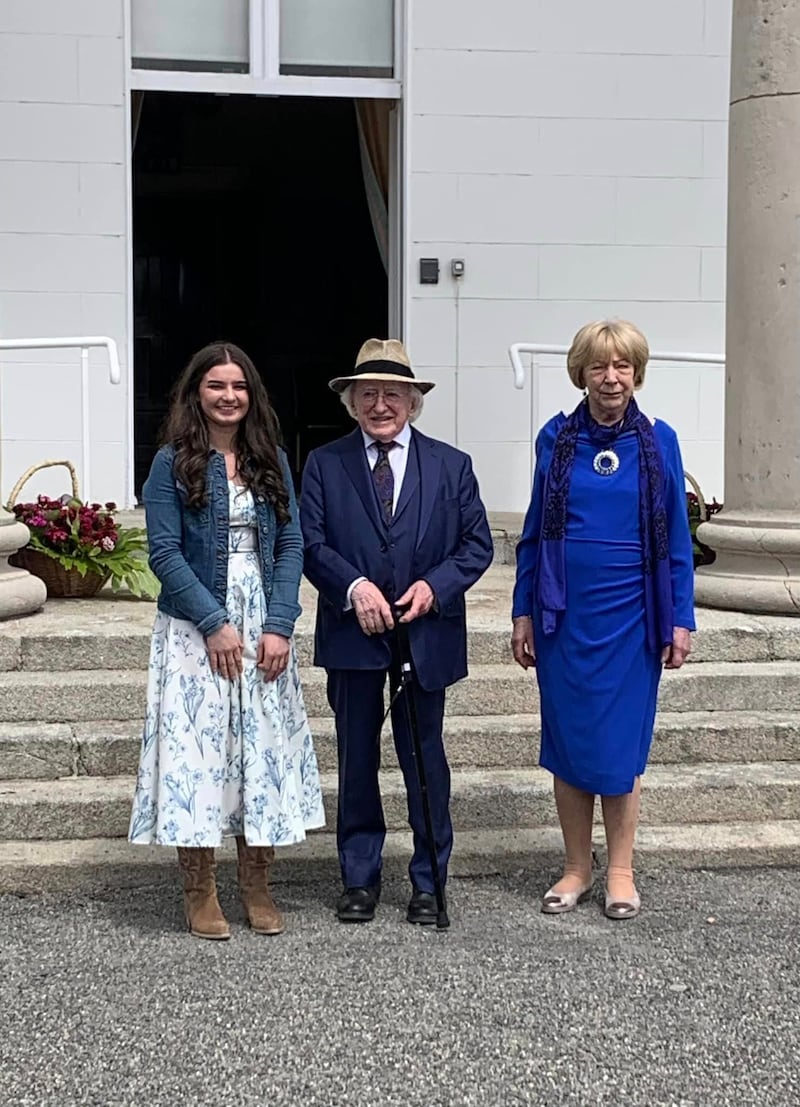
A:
(189, 548)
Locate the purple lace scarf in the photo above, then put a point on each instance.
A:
(551, 587)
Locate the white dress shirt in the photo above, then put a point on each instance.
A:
(398, 460)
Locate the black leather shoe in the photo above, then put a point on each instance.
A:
(358, 904)
(422, 908)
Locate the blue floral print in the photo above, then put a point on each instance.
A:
(225, 757)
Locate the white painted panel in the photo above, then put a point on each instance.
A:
(712, 403)
(101, 70)
(704, 460)
(61, 263)
(107, 405)
(106, 480)
(619, 272)
(622, 27)
(536, 209)
(504, 472)
(61, 132)
(455, 25)
(38, 196)
(57, 17)
(434, 207)
(490, 408)
(671, 212)
(104, 313)
(718, 19)
(672, 87)
(621, 147)
(40, 401)
(438, 418)
(39, 68)
(715, 149)
(490, 326)
(498, 271)
(450, 82)
(553, 390)
(432, 331)
(108, 471)
(713, 283)
(472, 144)
(39, 314)
(102, 199)
(672, 393)
(18, 456)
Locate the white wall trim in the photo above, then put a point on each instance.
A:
(404, 169)
(245, 84)
(130, 420)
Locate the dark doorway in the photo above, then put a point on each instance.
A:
(250, 223)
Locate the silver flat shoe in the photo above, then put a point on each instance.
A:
(557, 903)
(623, 908)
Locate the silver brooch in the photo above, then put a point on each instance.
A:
(605, 463)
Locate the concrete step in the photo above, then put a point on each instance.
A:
(93, 865)
(490, 690)
(500, 799)
(47, 751)
(122, 648)
(113, 632)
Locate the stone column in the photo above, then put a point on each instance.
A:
(20, 593)
(757, 535)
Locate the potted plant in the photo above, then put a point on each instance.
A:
(700, 511)
(76, 547)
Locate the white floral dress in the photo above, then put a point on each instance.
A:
(224, 757)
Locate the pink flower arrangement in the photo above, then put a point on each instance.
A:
(86, 537)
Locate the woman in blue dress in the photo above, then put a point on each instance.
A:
(604, 598)
(226, 747)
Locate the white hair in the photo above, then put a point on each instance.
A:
(417, 401)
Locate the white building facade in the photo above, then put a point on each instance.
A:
(572, 155)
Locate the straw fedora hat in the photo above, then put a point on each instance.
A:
(382, 360)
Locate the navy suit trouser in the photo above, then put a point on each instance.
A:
(356, 697)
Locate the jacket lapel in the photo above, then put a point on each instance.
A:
(430, 467)
(354, 460)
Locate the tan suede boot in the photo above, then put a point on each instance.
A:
(254, 863)
(203, 912)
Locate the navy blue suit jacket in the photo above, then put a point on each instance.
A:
(345, 538)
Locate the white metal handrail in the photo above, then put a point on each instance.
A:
(84, 343)
(518, 348)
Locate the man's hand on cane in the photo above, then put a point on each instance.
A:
(419, 600)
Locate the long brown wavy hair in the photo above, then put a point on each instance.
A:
(257, 436)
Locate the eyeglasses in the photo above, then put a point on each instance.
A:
(391, 396)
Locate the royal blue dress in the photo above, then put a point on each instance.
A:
(598, 682)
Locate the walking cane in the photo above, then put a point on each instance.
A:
(407, 687)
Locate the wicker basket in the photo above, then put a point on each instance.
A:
(60, 582)
(696, 489)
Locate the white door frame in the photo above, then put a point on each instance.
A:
(265, 79)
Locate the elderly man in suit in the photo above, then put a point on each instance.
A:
(390, 518)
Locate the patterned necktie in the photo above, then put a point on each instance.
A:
(384, 479)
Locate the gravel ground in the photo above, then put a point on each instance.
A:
(105, 999)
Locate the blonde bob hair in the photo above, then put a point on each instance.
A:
(598, 342)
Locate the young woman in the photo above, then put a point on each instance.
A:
(226, 748)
